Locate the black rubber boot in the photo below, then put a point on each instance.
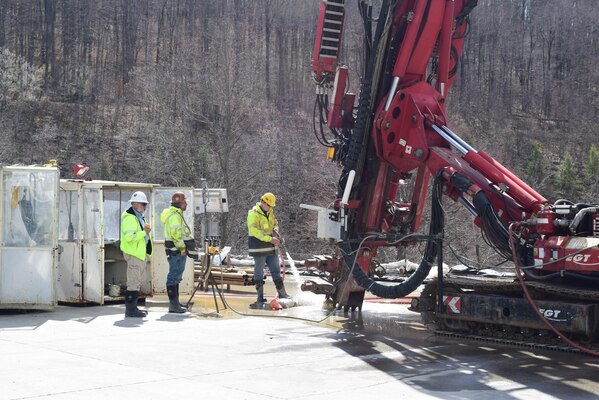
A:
(173, 301)
(180, 304)
(260, 300)
(281, 289)
(144, 312)
(131, 305)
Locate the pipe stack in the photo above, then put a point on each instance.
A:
(228, 275)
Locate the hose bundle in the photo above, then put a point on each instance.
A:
(435, 236)
(494, 232)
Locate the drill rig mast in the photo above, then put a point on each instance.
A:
(397, 131)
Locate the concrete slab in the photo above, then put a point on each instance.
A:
(96, 353)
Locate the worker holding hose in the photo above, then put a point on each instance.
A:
(262, 245)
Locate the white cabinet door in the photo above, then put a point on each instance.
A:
(69, 283)
(28, 237)
(93, 246)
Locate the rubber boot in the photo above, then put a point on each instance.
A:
(173, 301)
(144, 312)
(281, 289)
(180, 304)
(260, 300)
(131, 305)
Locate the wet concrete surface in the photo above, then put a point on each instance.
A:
(299, 353)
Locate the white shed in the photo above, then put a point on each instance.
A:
(28, 238)
(91, 266)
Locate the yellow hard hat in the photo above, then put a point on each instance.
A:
(269, 199)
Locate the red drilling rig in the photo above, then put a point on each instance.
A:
(397, 130)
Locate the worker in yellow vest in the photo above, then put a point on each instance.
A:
(136, 246)
(176, 234)
(262, 245)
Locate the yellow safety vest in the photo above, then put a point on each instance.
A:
(175, 227)
(133, 236)
(260, 229)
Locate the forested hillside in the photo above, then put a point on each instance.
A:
(169, 92)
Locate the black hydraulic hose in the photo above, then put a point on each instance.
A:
(395, 291)
(394, 46)
(325, 143)
(466, 12)
(421, 273)
(576, 275)
(366, 13)
(496, 233)
(542, 277)
(559, 274)
(362, 126)
(356, 141)
(456, 58)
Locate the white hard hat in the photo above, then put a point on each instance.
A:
(138, 197)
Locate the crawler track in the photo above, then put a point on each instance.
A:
(492, 332)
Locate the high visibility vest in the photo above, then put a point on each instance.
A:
(176, 229)
(133, 236)
(260, 229)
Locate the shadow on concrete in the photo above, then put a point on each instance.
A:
(449, 369)
(130, 322)
(173, 317)
(30, 320)
(397, 344)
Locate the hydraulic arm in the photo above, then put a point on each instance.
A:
(398, 130)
